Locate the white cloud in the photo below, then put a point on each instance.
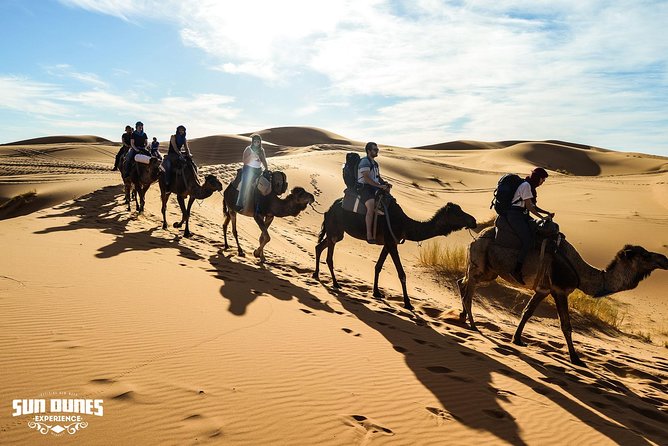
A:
(575, 69)
(67, 71)
(105, 113)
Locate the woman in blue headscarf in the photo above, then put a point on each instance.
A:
(178, 148)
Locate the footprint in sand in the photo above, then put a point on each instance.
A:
(369, 426)
(441, 415)
(203, 426)
(349, 331)
(307, 311)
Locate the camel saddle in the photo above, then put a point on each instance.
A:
(352, 202)
(505, 236)
(263, 186)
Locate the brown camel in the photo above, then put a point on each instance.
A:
(271, 206)
(565, 271)
(338, 221)
(186, 184)
(139, 180)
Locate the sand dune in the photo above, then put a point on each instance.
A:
(187, 342)
(61, 140)
(302, 136)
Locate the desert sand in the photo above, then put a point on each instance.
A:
(189, 343)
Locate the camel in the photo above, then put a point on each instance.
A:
(565, 271)
(271, 206)
(185, 185)
(139, 180)
(338, 221)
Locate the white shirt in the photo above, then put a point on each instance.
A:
(522, 193)
(252, 158)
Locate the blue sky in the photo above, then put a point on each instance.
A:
(399, 72)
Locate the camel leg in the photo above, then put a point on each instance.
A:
(562, 310)
(379, 266)
(225, 225)
(142, 198)
(264, 237)
(187, 232)
(394, 253)
(466, 290)
(127, 196)
(236, 234)
(182, 205)
(318, 252)
(530, 307)
(330, 261)
(165, 197)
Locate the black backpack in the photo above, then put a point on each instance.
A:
(503, 194)
(350, 170)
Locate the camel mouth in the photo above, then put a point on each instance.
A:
(472, 224)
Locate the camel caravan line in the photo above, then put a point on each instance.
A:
(531, 254)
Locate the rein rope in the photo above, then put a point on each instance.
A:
(389, 226)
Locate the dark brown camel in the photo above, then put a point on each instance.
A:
(140, 179)
(271, 206)
(565, 272)
(186, 184)
(337, 221)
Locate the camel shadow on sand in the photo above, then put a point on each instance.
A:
(464, 386)
(244, 283)
(102, 211)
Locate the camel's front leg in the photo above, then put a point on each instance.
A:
(530, 307)
(561, 300)
(263, 223)
(394, 253)
(142, 197)
(164, 197)
(187, 232)
(182, 205)
(379, 267)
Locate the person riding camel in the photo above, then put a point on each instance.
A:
(155, 149)
(368, 177)
(137, 144)
(125, 138)
(253, 158)
(178, 149)
(518, 216)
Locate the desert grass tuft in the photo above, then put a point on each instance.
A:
(599, 311)
(444, 260)
(18, 200)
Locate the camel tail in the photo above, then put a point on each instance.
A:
(328, 215)
(322, 234)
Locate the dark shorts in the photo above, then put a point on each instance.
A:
(367, 192)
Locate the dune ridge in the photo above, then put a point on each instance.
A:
(90, 139)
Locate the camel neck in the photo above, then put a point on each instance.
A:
(418, 231)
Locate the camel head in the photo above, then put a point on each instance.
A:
(300, 196)
(635, 263)
(451, 216)
(211, 182)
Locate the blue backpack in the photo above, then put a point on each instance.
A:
(503, 194)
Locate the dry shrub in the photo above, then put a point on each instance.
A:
(445, 260)
(601, 311)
